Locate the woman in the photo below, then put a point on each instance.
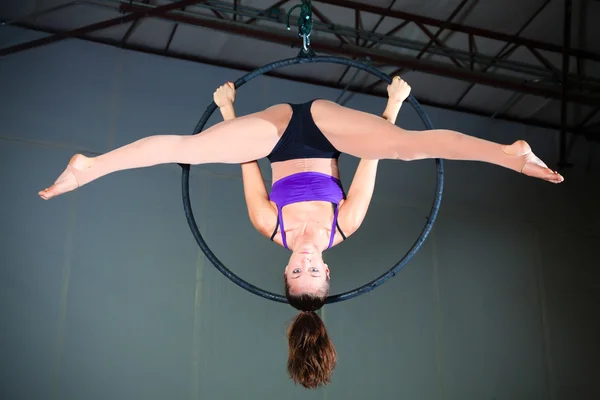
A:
(303, 143)
(312, 356)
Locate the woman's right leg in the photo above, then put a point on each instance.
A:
(364, 135)
(240, 140)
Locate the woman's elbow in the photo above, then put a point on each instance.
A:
(261, 224)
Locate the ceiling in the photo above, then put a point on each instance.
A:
(501, 59)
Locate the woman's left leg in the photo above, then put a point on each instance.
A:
(367, 136)
(236, 141)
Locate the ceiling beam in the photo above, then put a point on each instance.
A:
(536, 44)
(564, 103)
(505, 51)
(135, 11)
(288, 38)
(310, 81)
(531, 72)
(135, 15)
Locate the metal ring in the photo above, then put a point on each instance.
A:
(185, 182)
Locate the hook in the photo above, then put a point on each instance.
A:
(289, 13)
(306, 41)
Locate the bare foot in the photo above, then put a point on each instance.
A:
(66, 182)
(532, 165)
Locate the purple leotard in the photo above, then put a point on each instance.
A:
(306, 186)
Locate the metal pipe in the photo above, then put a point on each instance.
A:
(536, 71)
(385, 57)
(155, 11)
(334, 48)
(434, 39)
(306, 80)
(323, 18)
(39, 13)
(510, 103)
(343, 92)
(276, 5)
(564, 105)
(379, 21)
(357, 26)
(397, 28)
(466, 56)
(517, 98)
(504, 51)
(549, 66)
(437, 34)
(353, 51)
(591, 115)
(460, 28)
(171, 36)
(330, 28)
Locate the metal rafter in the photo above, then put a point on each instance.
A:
(472, 50)
(582, 124)
(478, 32)
(397, 28)
(347, 48)
(311, 81)
(130, 30)
(379, 21)
(357, 25)
(378, 56)
(326, 20)
(434, 38)
(138, 10)
(564, 104)
(535, 71)
(172, 34)
(544, 61)
(505, 51)
(275, 5)
(133, 26)
(218, 14)
(146, 12)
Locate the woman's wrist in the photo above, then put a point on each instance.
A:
(392, 109)
(227, 111)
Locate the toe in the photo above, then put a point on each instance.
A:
(49, 192)
(556, 178)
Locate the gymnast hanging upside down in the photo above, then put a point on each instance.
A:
(303, 143)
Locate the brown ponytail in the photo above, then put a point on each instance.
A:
(311, 357)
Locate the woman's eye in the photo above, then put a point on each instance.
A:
(296, 271)
(314, 269)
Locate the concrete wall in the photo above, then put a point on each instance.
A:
(105, 295)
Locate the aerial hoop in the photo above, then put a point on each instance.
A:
(185, 182)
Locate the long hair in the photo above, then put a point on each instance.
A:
(311, 357)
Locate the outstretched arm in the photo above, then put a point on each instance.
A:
(354, 208)
(261, 213)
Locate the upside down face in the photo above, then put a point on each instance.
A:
(306, 272)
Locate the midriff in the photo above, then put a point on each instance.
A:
(327, 166)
